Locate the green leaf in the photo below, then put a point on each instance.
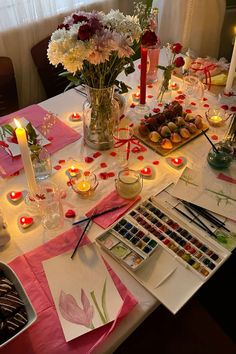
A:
(32, 136)
(8, 128)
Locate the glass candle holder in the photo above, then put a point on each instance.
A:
(223, 158)
(129, 183)
(216, 117)
(84, 185)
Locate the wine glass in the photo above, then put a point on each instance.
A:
(193, 88)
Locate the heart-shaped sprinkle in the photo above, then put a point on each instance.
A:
(70, 213)
(97, 154)
(57, 167)
(88, 159)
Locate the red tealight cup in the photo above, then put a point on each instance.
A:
(75, 116)
(146, 172)
(73, 171)
(177, 161)
(26, 221)
(15, 196)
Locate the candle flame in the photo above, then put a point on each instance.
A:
(17, 123)
(23, 219)
(13, 194)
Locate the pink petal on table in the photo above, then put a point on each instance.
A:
(188, 111)
(140, 157)
(150, 86)
(103, 175)
(111, 174)
(233, 108)
(160, 104)
(61, 162)
(225, 107)
(88, 159)
(113, 153)
(70, 213)
(193, 104)
(57, 167)
(150, 96)
(214, 137)
(156, 162)
(204, 99)
(97, 154)
(103, 165)
(206, 105)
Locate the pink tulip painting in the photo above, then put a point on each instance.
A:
(72, 312)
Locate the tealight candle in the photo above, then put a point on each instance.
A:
(136, 96)
(177, 161)
(83, 188)
(146, 172)
(215, 121)
(75, 116)
(73, 171)
(15, 197)
(26, 222)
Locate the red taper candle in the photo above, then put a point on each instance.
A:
(143, 75)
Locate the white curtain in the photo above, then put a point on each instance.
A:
(23, 23)
(196, 24)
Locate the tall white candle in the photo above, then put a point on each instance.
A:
(231, 74)
(26, 159)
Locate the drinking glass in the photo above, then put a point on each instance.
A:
(193, 88)
(129, 183)
(48, 200)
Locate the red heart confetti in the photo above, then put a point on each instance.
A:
(156, 110)
(188, 111)
(113, 153)
(160, 104)
(193, 104)
(103, 175)
(103, 165)
(86, 173)
(132, 105)
(57, 167)
(150, 96)
(111, 174)
(204, 99)
(61, 162)
(70, 213)
(214, 137)
(225, 107)
(180, 97)
(97, 154)
(233, 109)
(140, 157)
(88, 159)
(150, 86)
(156, 162)
(135, 149)
(206, 105)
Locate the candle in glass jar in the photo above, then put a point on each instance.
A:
(26, 159)
(83, 188)
(215, 121)
(128, 184)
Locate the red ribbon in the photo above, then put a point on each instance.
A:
(120, 142)
(206, 70)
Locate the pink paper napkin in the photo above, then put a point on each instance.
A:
(60, 135)
(110, 201)
(45, 336)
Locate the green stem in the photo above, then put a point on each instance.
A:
(97, 307)
(220, 194)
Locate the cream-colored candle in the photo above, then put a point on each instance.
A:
(231, 74)
(26, 159)
(128, 184)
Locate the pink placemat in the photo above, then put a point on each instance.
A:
(45, 336)
(59, 134)
(110, 201)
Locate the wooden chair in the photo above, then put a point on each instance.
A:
(53, 84)
(8, 90)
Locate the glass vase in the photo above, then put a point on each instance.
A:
(100, 117)
(41, 161)
(153, 60)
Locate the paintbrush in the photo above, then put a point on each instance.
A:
(82, 235)
(213, 146)
(100, 213)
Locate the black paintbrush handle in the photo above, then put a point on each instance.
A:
(188, 217)
(200, 221)
(80, 239)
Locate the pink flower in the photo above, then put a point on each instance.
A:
(71, 311)
(176, 48)
(178, 62)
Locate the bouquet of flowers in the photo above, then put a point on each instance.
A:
(95, 47)
(173, 62)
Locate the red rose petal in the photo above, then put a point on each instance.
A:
(111, 174)
(57, 167)
(103, 165)
(150, 96)
(160, 104)
(135, 149)
(156, 162)
(140, 157)
(206, 105)
(88, 159)
(156, 110)
(188, 111)
(97, 154)
(204, 99)
(181, 97)
(61, 162)
(150, 86)
(70, 213)
(103, 175)
(86, 173)
(214, 137)
(193, 103)
(233, 109)
(225, 106)
(113, 153)
(50, 138)
(132, 105)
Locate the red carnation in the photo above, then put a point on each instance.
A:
(176, 48)
(149, 38)
(178, 62)
(85, 32)
(79, 18)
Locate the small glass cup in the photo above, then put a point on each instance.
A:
(48, 200)
(122, 136)
(129, 183)
(222, 159)
(84, 184)
(216, 117)
(193, 88)
(41, 161)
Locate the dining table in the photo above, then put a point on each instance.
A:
(76, 153)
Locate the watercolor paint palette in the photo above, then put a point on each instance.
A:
(128, 243)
